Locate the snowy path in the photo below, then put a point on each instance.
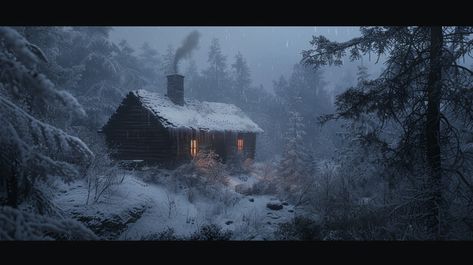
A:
(247, 218)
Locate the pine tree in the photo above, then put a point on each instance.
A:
(304, 93)
(362, 74)
(32, 149)
(216, 76)
(423, 73)
(192, 81)
(296, 168)
(150, 63)
(241, 77)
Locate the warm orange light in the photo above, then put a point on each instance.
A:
(240, 145)
(193, 148)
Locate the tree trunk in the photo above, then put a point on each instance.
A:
(434, 183)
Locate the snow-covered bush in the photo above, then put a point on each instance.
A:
(300, 228)
(211, 232)
(204, 175)
(167, 235)
(207, 164)
(360, 223)
(268, 180)
(103, 176)
(329, 185)
(236, 164)
(19, 225)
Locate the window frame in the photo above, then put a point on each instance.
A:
(240, 145)
(194, 147)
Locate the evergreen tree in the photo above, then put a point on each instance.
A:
(217, 82)
(192, 80)
(362, 74)
(32, 150)
(304, 93)
(150, 65)
(418, 92)
(241, 77)
(296, 166)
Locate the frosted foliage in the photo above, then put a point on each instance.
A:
(19, 79)
(37, 146)
(108, 65)
(39, 143)
(18, 225)
(26, 52)
(296, 163)
(208, 164)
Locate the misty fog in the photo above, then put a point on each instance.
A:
(236, 133)
(270, 51)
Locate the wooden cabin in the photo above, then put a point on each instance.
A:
(170, 130)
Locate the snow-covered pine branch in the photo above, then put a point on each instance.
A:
(39, 144)
(31, 148)
(19, 79)
(18, 225)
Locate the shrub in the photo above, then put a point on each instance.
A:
(268, 183)
(205, 175)
(211, 232)
(300, 228)
(358, 223)
(206, 232)
(167, 235)
(207, 164)
(103, 175)
(238, 165)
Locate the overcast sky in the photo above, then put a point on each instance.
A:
(269, 51)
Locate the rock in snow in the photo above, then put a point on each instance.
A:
(274, 205)
(244, 189)
(110, 227)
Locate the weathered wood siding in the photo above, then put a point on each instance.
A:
(223, 143)
(249, 144)
(133, 133)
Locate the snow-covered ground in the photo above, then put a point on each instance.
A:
(246, 216)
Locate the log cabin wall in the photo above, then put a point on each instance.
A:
(249, 143)
(223, 143)
(133, 133)
(205, 141)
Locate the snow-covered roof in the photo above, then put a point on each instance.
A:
(208, 116)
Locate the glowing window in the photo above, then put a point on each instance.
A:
(193, 148)
(240, 145)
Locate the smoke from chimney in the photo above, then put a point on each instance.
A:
(189, 44)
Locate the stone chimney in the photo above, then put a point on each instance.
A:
(176, 89)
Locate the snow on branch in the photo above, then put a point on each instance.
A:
(19, 77)
(26, 52)
(40, 144)
(373, 39)
(19, 225)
